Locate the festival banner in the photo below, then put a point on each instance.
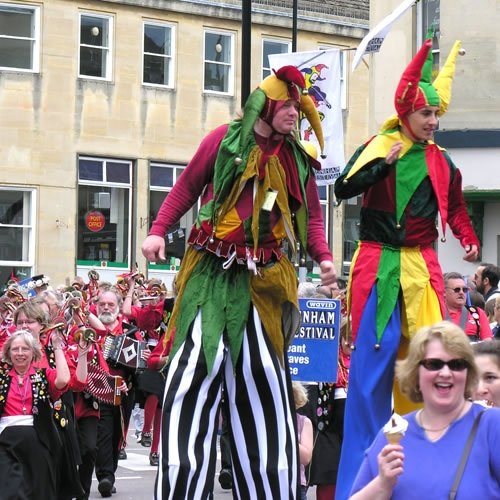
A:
(374, 39)
(321, 70)
(313, 353)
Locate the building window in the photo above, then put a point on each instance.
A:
(19, 37)
(429, 18)
(343, 76)
(323, 199)
(17, 217)
(162, 179)
(104, 207)
(352, 210)
(270, 47)
(218, 62)
(95, 46)
(158, 54)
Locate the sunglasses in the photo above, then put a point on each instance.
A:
(464, 289)
(435, 364)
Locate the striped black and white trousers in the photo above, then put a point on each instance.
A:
(261, 420)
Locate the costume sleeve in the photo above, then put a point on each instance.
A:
(458, 218)
(369, 174)
(54, 392)
(317, 246)
(191, 183)
(74, 384)
(161, 349)
(133, 313)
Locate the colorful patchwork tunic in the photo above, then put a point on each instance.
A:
(398, 216)
(233, 227)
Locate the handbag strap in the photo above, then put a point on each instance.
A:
(465, 456)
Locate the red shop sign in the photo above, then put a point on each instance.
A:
(95, 221)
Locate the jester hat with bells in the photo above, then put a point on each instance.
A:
(284, 84)
(415, 90)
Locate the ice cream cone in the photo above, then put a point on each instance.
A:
(394, 437)
(395, 429)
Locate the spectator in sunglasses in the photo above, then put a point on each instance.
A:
(439, 372)
(471, 319)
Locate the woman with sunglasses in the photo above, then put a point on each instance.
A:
(440, 372)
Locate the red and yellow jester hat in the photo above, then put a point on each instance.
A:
(284, 84)
(415, 89)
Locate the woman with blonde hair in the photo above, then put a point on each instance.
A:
(440, 372)
(304, 434)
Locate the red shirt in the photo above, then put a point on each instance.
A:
(471, 323)
(148, 318)
(20, 396)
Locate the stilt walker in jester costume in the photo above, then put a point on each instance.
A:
(396, 284)
(237, 309)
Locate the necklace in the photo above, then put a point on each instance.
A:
(420, 420)
(22, 395)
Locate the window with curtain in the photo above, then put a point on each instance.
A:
(95, 46)
(218, 62)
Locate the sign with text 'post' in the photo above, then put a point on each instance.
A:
(313, 353)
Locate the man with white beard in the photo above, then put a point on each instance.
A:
(109, 429)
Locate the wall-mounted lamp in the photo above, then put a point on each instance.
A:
(95, 31)
(218, 48)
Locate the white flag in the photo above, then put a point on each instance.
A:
(321, 70)
(374, 39)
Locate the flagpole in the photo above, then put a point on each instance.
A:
(246, 40)
(294, 25)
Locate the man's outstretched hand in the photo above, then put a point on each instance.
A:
(328, 274)
(471, 253)
(153, 248)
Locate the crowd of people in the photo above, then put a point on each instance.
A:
(65, 388)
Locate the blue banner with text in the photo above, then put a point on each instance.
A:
(313, 353)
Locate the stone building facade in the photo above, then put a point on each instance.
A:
(104, 102)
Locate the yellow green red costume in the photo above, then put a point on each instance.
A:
(236, 307)
(396, 283)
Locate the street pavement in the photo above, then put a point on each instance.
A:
(135, 477)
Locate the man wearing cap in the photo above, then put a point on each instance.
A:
(396, 284)
(236, 308)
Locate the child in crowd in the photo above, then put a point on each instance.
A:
(304, 434)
